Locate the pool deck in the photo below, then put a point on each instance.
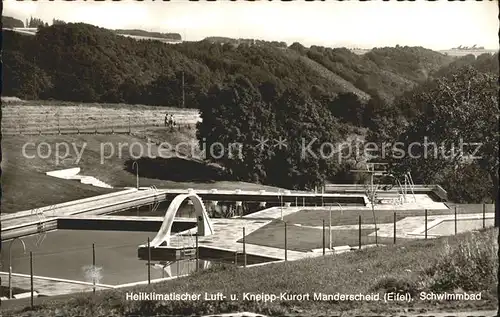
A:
(49, 286)
(45, 286)
(421, 202)
(89, 206)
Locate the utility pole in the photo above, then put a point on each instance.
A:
(93, 267)
(34, 78)
(281, 204)
(136, 174)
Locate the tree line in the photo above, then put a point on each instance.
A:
(80, 62)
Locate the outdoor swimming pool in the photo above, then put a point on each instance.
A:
(447, 227)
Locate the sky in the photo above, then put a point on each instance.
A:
(435, 25)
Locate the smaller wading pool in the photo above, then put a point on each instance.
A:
(447, 226)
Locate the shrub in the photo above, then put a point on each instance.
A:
(471, 265)
(396, 284)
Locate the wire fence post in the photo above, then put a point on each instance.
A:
(394, 227)
(31, 278)
(93, 267)
(303, 201)
(10, 278)
(324, 237)
(484, 215)
(456, 229)
(330, 243)
(425, 228)
(286, 245)
(129, 130)
(244, 250)
(359, 231)
(236, 258)
(197, 254)
(149, 262)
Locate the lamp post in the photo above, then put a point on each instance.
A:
(330, 224)
(136, 173)
(10, 262)
(281, 204)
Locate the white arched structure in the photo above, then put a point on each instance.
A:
(203, 221)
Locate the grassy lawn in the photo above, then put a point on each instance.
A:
(442, 265)
(305, 239)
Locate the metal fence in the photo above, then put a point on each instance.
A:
(324, 229)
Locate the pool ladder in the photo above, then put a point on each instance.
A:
(156, 204)
(42, 233)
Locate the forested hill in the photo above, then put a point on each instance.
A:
(10, 22)
(169, 36)
(81, 62)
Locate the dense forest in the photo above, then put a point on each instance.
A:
(249, 89)
(81, 62)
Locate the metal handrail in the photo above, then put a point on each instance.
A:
(10, 262)
(412, 185)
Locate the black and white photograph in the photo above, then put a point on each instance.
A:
(249, 158)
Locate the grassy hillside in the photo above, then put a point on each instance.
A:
(386, 71)
(10, 22)
(439, 265)
(345, 85)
